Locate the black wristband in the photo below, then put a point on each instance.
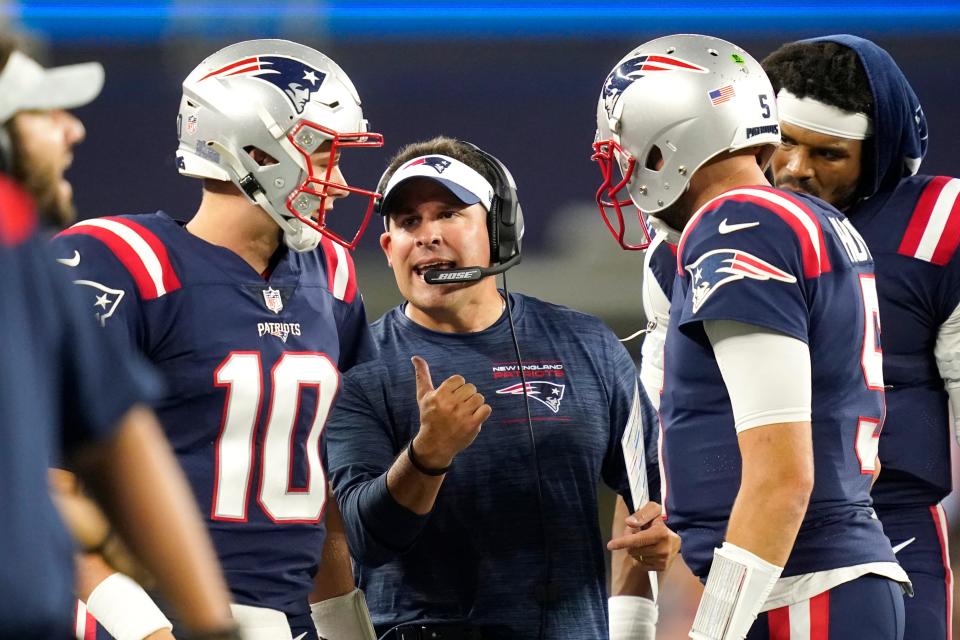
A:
(427, 471)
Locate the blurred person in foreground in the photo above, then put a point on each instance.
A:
(250, 310)
(70, 394)
(854, 135)
(772, 387)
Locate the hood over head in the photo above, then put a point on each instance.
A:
(899, 140)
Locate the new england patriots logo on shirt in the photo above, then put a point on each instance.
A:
(296, 79)
(438, 163)
(721, 266)
(546, 393)
(628, 71)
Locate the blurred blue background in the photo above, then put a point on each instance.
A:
(520, 79)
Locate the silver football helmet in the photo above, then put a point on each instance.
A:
(286, 100)
(682, 99)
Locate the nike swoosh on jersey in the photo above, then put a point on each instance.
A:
(71, 262)
(730, 228)
(301, 636)
(903, 545)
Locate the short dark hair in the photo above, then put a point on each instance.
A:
(445, 146)
(829, 72)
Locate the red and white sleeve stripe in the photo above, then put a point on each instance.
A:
(85, 626)
(934, 229)
(139, 250)
(807, 620)
(341, 276)
(793, 212)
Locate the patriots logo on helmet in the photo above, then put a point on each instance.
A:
(296, 79)
(722, 266)
(438, 163)
(546, 393)
(628, 71)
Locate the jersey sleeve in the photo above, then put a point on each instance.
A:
(356, 343)
(360, 451)
(947, 348)
(106, 289)
(746, 262)
(101, 376)
(631, 465)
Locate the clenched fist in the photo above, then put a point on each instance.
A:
(450, 416)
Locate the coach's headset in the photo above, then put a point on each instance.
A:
(504, 225)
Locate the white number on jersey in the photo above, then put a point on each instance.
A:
(242, 374)
(871, 361)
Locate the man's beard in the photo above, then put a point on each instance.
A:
(42, 181)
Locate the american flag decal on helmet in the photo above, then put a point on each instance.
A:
(296, 79)
(628, 71)
(722, 266)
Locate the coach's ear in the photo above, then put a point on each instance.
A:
(385, 245)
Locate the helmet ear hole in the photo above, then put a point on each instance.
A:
(260, 156)
(654, 159)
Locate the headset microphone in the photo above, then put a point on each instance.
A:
(468, 274)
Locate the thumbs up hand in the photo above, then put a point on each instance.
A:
(450, 416)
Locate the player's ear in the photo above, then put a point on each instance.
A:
(385, 240)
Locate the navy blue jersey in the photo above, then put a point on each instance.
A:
(791, 264)
(62, 385)
(479, 555)
(913, 233)
(252, 366)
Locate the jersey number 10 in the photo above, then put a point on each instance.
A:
(242, 374)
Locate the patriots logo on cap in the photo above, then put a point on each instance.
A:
(722, 266)
(631, 70)
(296, 79)
(438, 163)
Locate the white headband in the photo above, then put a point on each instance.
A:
(823, 118)
(461, 180)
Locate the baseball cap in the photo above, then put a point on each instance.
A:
(25, 85)
(464, 182)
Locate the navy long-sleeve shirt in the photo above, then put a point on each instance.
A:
(479, 555)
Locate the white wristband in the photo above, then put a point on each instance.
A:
(632, 618)
(125, 610)
(737, 587)
(343, 618)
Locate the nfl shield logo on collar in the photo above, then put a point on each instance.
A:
(271, 297)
